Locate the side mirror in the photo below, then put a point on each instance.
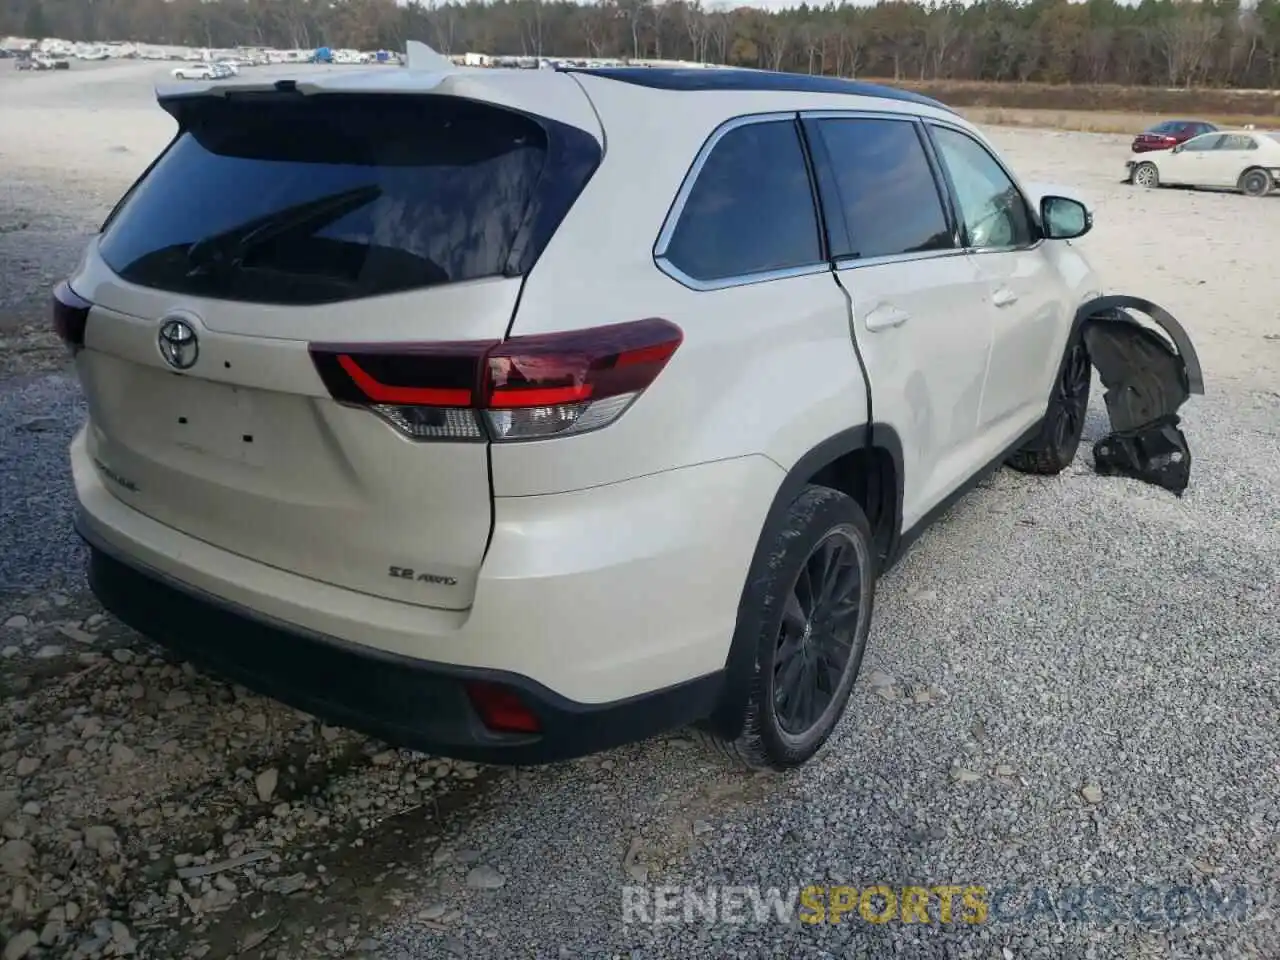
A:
(1064, 218)
(1176, 148)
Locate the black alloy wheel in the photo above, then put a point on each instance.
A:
(1071, 397)
(806, 615)
(815, 642)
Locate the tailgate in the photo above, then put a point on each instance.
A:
(268, 226)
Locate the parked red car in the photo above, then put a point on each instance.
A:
(1169, 134)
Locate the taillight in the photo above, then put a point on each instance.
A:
(70, 314)
(501, 708)
(525, 388)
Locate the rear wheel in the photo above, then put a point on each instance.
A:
(1145, 174)
(812, 628)
(1055, 446)
(1255, 183)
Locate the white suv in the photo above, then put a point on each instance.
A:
(512, 415)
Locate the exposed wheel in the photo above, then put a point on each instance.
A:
(1145, 174)
(815, 614)
(1055, 446)
(1255, 183)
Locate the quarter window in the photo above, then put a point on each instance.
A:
(992, 208)
(881, 181)
(751, 208)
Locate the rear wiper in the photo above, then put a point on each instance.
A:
(229, 246)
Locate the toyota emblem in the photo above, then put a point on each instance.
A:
(178, 344)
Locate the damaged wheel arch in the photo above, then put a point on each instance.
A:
(1147, 380)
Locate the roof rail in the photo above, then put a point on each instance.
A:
(742, 78)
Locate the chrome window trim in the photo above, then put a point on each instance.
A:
(682, 197)
(853, 263)
(844, 264)
(743, 280)
(861, 113)
(999, 162)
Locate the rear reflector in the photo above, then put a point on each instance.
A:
(501, 708)
(525, 388)
(70, 315)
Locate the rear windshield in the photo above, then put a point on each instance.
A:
(306, 200)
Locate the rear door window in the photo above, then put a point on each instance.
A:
(750, 210)
(308, 200)
(877, 176)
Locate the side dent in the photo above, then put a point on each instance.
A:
(1146, 382)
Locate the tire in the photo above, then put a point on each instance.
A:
(824, 530)
(1145, 174)
(1255, 183)
(1055, 446)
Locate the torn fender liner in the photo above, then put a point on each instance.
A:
(1156, 453)
(1147, 381)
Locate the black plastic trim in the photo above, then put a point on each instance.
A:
(741, 78)
(740, 664)
(815, 191)
(1158, 315)
(942, 180)
(402, 700)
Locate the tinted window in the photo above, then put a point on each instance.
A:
(992, 209)
(751, 208)
(323, 198)
(882, 182)
(1169, 126)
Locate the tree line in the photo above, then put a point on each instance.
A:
(1211, 43)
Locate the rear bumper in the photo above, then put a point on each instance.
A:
(407, 702)
(610, 610)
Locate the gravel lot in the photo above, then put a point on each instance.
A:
(1071, 682)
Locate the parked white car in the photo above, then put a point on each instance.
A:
(1244, 160)
(394, 432)
(203, 71)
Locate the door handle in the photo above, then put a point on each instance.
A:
(1004, 297)
(884, 316)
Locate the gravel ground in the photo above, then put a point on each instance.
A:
(38, 416)
(1071, 682)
